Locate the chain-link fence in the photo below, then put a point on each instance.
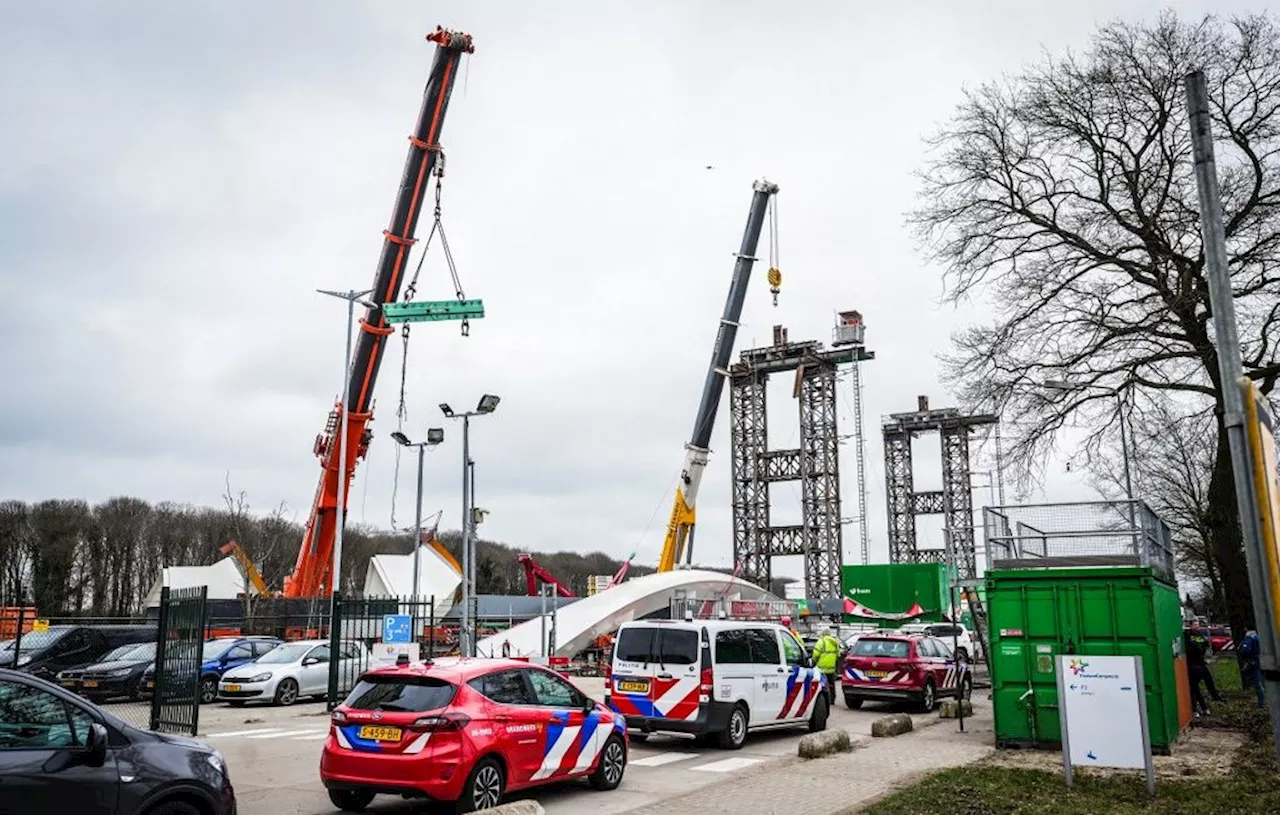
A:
(1089, 533)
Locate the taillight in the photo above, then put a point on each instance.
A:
(451, 721)
(707, 687)
(608, 679)
(338, 717)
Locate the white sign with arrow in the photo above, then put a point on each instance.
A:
(1102, 703)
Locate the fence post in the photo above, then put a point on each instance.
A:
(162, 627)
(335, 641)
(203, 628)
(431, 629)
(17, 637)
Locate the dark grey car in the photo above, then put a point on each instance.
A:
(61, 753)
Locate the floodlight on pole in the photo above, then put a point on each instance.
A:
(435, 435)
(488, 403)
(400, 439)
(446, 410)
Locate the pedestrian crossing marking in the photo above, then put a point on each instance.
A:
(273, 735)
(727, 765)
(661, 759)
(231, 733)
(312, 736)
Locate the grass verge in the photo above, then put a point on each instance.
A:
(1252, 786)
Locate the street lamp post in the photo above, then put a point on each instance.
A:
(487, 404)
(335, 572)
(435, 435)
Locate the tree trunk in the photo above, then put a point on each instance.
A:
(1228, 541)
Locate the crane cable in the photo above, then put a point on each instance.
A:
(775, 274)
(437, 227)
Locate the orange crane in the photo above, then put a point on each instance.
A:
(313, 571)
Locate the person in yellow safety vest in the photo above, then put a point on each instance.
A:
(826, 653)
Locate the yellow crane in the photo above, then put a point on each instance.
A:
(247, 568)
(678, 545)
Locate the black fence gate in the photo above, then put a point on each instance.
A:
(362, 625)
(175, 699)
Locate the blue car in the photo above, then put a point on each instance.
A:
(219, 656)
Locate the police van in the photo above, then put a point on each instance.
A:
(714, 679)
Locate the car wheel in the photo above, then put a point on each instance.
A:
(208, 689)
(735, 733)
(286, 692)
(966, 688)
(818, 719)
(928, 698)
(351, 800)
(173, 808)
(853, 702)
(484, 787)
(613, 763)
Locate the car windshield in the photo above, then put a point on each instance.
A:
(894, 649)
(140, 652)
(118, 652)
(289, 652)
(393, 693)
(34, 641)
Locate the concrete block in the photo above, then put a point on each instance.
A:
(825, 743)
(894, 725)
(517, 808)
(949, 709)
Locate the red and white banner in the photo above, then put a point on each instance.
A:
(856, 609)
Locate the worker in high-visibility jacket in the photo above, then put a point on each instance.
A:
(826, 655)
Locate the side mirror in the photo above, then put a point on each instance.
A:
(95, 752)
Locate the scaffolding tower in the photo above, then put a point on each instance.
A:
(816, 463)
(954, 501)
(850, 331)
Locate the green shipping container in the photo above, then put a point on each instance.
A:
(1037, 614)
(892, 588)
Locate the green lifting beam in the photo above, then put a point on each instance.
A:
(419, 311)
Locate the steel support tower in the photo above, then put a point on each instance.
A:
(954, 501)
(815, 464)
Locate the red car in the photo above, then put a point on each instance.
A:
(903, 667)
(468, 731)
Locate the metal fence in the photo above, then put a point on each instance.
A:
(363, 629)
(1088, 533)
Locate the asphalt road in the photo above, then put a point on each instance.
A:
(273, 755)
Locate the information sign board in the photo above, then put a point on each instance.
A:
(1103, 710)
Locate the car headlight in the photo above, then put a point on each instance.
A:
(119, 673)
(262, 677)
(216, 762)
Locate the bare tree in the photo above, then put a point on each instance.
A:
(1174, 450)
(1064, 198)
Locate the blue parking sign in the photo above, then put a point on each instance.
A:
(396, 629)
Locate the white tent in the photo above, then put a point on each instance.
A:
(438, 577)
(223, 579)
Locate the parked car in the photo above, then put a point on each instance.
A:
(293, 670)
(494, 726)
(903, 667)
(716, 679)
(1220, 638)
(45, 653)
(219, 655)
(967, 647)
(62, 753)
(117, 673)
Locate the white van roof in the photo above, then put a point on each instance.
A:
(694, 625)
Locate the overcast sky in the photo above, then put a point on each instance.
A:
(178, 179)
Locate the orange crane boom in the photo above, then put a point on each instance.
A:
(313, 571)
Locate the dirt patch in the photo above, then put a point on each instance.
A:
(1203, 753)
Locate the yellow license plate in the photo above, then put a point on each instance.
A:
(231, 688)
(632, 686)
(68, 683)
(90, 683)
(380, 733)
(877, 674)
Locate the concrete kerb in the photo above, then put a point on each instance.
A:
(518, 808)
(892, 725)
(948, 709)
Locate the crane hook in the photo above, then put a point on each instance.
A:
(775, 282)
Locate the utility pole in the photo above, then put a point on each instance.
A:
(1231, 377)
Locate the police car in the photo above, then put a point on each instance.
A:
(715, 679)
(903, 667)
